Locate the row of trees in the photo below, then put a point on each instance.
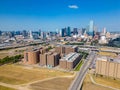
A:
(80, 43)
(12, 59)
(94, 43)
(49, 48)
(84, 54)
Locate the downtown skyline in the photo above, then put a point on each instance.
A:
(56, 14)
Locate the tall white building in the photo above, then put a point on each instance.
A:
(43, 35)
(103, 39)
(104, 31)
(31, 36)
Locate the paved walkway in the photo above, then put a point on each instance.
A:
(9, 85)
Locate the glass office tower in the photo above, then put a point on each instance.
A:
(91, 28)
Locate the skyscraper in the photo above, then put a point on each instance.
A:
(57, 30)
(63, 32)
(60, 32)
(83, 30)
(75, 31)
(104, 31)
(43, 35)
(39, 32)
(24, 33)
(91, 28)
(31, 36)
(0, 32)
(68, 31)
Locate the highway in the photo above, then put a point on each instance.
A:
(77, 83)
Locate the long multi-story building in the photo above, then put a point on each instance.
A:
(60, 49)
(43, 50)
(53, 59)
(49, 59)
(65, 49)
(108, 67)
(43, 59)
(70, 49)
(31, 57)
(70, 61)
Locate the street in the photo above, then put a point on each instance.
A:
(77, 83)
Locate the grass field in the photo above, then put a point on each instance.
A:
(54, 84)
(88, 85)
(4, 54)
(12, 52)
(79, 66)
(5, 88)
(107, 81)
(107, 54)
(14, 74)
(104, 49)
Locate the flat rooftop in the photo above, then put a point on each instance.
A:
(32, 50)
(72, 46)
(109, 59)
(70, 57)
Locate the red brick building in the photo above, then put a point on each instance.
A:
(70, 61)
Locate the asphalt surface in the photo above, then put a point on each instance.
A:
(77, 83)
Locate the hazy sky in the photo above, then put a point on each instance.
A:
(52, 14)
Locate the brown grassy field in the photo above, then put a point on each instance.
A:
(12, 52)
(14, 74)
(107, 81)
(88, 85)
(4, 54)
(53, 84)
(107, 54)
(5, 88)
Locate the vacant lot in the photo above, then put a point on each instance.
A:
(12, 52)
(107, 81)
(5, 88)
(13, 74)
(107, 54)
(88, 85)
(53, 84)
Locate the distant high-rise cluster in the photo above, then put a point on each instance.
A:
(65, 32)
(88, 34)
